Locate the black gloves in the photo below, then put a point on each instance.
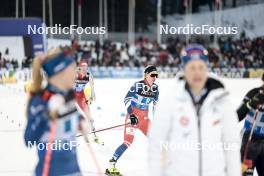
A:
(133, 119)
(256, 101)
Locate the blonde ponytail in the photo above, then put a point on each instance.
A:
(37, 76)
(35, 85)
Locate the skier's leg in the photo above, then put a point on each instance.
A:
(129, 133)
(86, 109)
(252, 154)
(144, 126)
(260, 159)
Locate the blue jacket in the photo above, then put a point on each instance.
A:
(140, 95)
(63, 156)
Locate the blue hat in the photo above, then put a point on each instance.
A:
(192, 52)
(57, 64)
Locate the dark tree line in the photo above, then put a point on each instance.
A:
(117, 11)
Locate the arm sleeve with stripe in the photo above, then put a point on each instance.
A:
(129, 97)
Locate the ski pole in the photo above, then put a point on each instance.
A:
(48, 155)
(98, 167)
(92, 153)
(84, 115)
(104, 129)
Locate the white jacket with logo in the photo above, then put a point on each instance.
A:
(177, 134)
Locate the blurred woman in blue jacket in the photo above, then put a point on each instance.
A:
(53, 120)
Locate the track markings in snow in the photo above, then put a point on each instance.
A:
(12, 120)
(14, 91)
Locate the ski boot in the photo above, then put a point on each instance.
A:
(112, 170)
(96, 140)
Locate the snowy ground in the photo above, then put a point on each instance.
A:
(108, 110)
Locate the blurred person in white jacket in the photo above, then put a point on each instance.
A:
(195, 130)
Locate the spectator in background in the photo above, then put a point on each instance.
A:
(7, 51)
(232, 53)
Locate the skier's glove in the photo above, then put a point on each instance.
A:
(88, 102)
(256, 101)
(133, 119)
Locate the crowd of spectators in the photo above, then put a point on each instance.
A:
(229, 53)
(26, 62)
(8, 62)
(241, 53)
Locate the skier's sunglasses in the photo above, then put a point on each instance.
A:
(154, 75)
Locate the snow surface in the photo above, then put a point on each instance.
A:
(108, 110)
